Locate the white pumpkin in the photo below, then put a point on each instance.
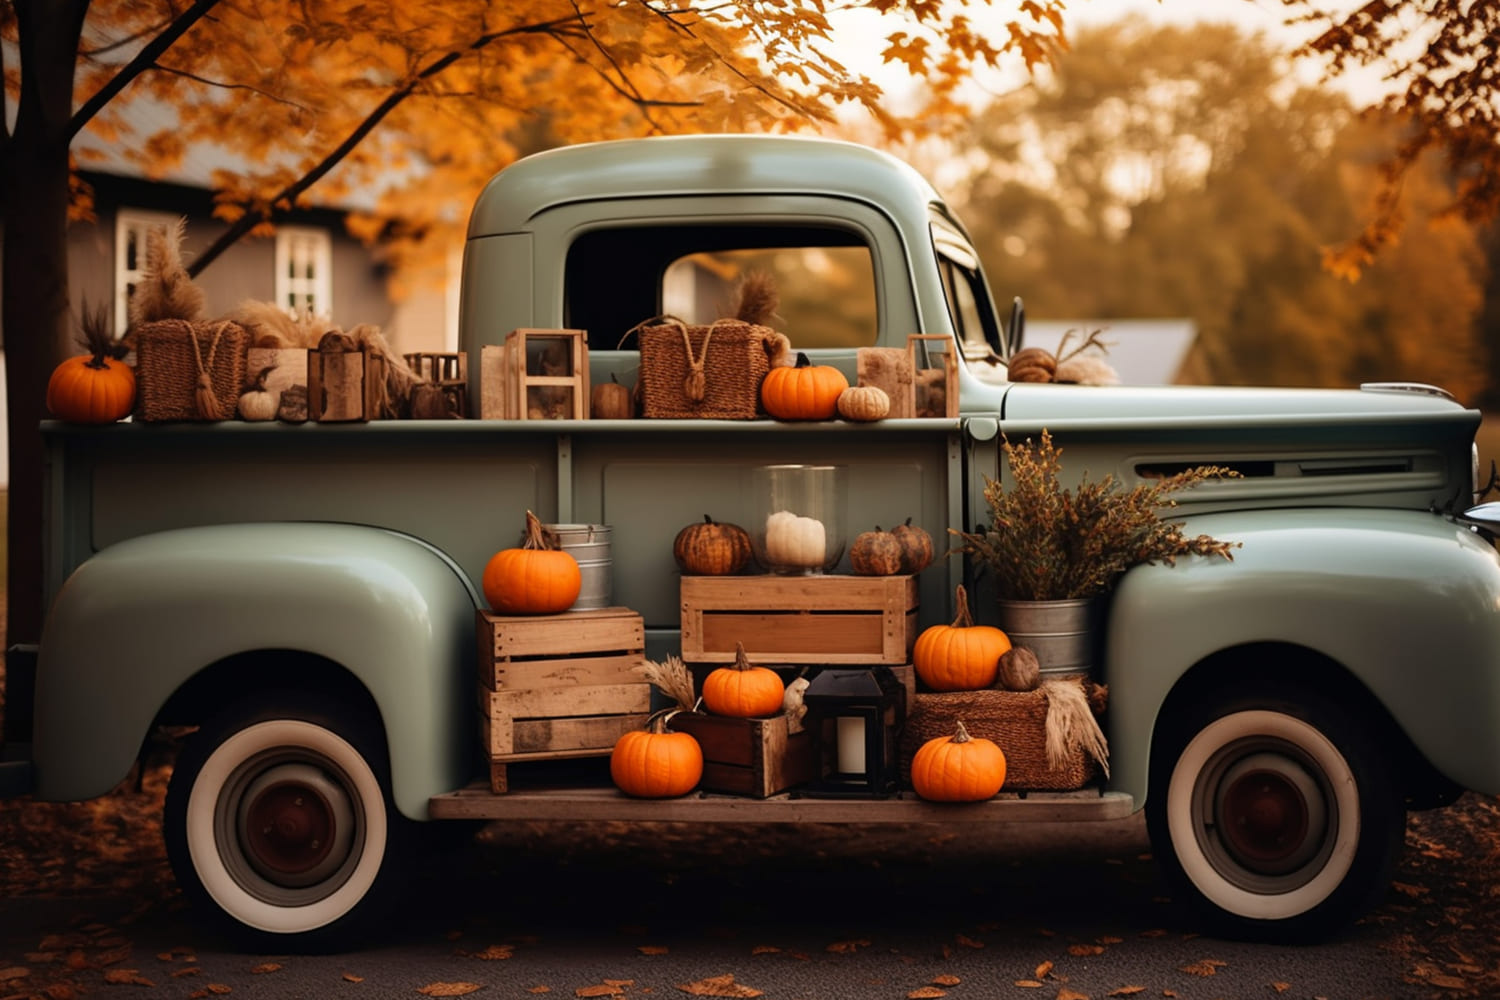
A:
(792, 540)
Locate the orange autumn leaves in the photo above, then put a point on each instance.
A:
(411, 107)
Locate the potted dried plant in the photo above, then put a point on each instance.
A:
(1054, 553)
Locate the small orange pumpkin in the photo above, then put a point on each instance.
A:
(93, 388)
(962, 656)
(804, 391)
(653, 763)
(712, 548)
(958, 768)
(742, 689)
(536, 579)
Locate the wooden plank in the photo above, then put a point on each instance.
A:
(505, 737)
(800, 593)
(791, 638)
(595, 630)
(622, 668)
(492, 382)
(588, 805)
(562, 702)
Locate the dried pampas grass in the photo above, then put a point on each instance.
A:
(165, 290)
(1071, 725)
(671, 678)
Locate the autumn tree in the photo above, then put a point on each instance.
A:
(1169, 171)
(1438, 59)
(417, 101)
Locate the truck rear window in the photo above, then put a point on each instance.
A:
(616, 278)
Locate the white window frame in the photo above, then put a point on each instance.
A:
(302, 248)
(133, 224)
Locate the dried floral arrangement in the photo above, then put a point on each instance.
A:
(1047, 543)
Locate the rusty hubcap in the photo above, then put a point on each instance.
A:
(289, 827)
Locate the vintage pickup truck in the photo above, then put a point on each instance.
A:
(306, 595)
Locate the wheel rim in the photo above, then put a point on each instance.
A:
(286, 826)
(1263, 814)
(295, 825)
(278, 881)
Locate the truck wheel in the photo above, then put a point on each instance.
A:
(278, 820)
(1276, 820)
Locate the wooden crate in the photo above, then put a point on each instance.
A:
(344, 385)
(536, 374)
(755, 757)
(799, 619)
(558, 686)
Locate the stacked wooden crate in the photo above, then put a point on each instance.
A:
(786, 622)
(559, 686)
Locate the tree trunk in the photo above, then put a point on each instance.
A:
(35, 313)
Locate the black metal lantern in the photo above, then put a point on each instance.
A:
(855, 717)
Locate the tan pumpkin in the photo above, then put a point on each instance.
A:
(742, 689)
(864, 403)
(259, 403)
(653, 763)
(611, 401)
(712, 548)
(916, 546)
(875, 553)
(961, 656)
(958, 768)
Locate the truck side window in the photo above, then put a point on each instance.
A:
(619, 277)
(970, 309)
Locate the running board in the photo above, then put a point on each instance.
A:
(477, 802)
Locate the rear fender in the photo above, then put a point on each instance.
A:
(1407, 603)
(139, 619)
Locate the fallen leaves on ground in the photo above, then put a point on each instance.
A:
(448, 989)
(126, 977)
(1204, 967)
(719, 986)
(495, 953)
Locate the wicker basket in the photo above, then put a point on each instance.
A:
(731, 355)
(171, 354)
(1015, 720)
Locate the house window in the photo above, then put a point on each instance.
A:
(304, 266)
(131, 227)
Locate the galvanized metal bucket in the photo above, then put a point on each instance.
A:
(589, 544)
(1064, 635)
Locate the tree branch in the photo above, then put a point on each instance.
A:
(226, 86)
(143, 60)
(289, 194)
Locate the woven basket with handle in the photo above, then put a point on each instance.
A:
(189, 371)
(707, 371)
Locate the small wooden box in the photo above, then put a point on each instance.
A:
(535, 375)
(558, 686)
(447, 372)
(755, 757)
(799, 619)
(934, 387)
(344, 386)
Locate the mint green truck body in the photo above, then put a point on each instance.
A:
(1346, 663)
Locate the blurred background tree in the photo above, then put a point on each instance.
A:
(1170, 171)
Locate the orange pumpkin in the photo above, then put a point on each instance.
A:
(958, 768)
(536, 579)
(712, 548)
(804, 391)
(962, 656)
(742, 689)
(93, 388)
(653, 763)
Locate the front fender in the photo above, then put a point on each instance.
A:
(137, 620)
(1408, 602)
